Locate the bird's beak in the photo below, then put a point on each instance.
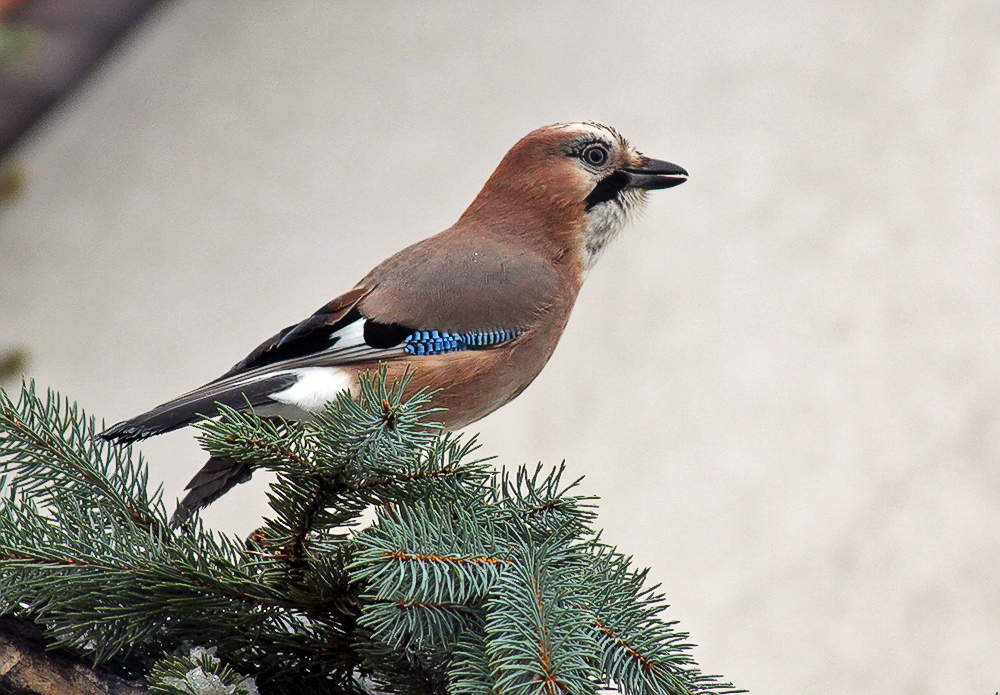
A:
(653, 174)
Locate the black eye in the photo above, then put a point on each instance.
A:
(595, 155)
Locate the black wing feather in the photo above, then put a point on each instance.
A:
(199, 404)
(306, 337)
(313, 335)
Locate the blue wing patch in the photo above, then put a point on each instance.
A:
(440, 342)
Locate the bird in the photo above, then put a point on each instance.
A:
(475, 312)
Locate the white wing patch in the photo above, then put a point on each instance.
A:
(351, 336)
(351, 346)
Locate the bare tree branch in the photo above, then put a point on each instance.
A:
(27, 667)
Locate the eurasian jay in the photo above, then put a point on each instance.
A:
(476, 310)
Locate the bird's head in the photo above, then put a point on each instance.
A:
(572, 185)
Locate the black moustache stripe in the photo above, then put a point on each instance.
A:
(607, 189)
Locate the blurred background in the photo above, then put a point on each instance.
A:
(783, 380)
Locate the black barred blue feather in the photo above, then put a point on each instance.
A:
(441, 342)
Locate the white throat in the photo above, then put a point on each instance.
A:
(605, 221)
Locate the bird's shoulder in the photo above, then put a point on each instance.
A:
(460, 282)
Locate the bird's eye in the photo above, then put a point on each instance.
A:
(595, 155)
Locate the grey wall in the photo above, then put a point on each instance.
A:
(783, 380)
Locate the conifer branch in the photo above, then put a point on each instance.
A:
(54, 448)
(468, 581)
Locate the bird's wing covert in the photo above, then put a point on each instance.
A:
(461, 285)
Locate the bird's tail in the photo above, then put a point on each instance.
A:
(235, 392)
(216, 478)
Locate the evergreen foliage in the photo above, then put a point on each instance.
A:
(469, 581)
(198, 672)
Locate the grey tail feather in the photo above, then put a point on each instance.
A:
(216, 478)
(199, 404)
